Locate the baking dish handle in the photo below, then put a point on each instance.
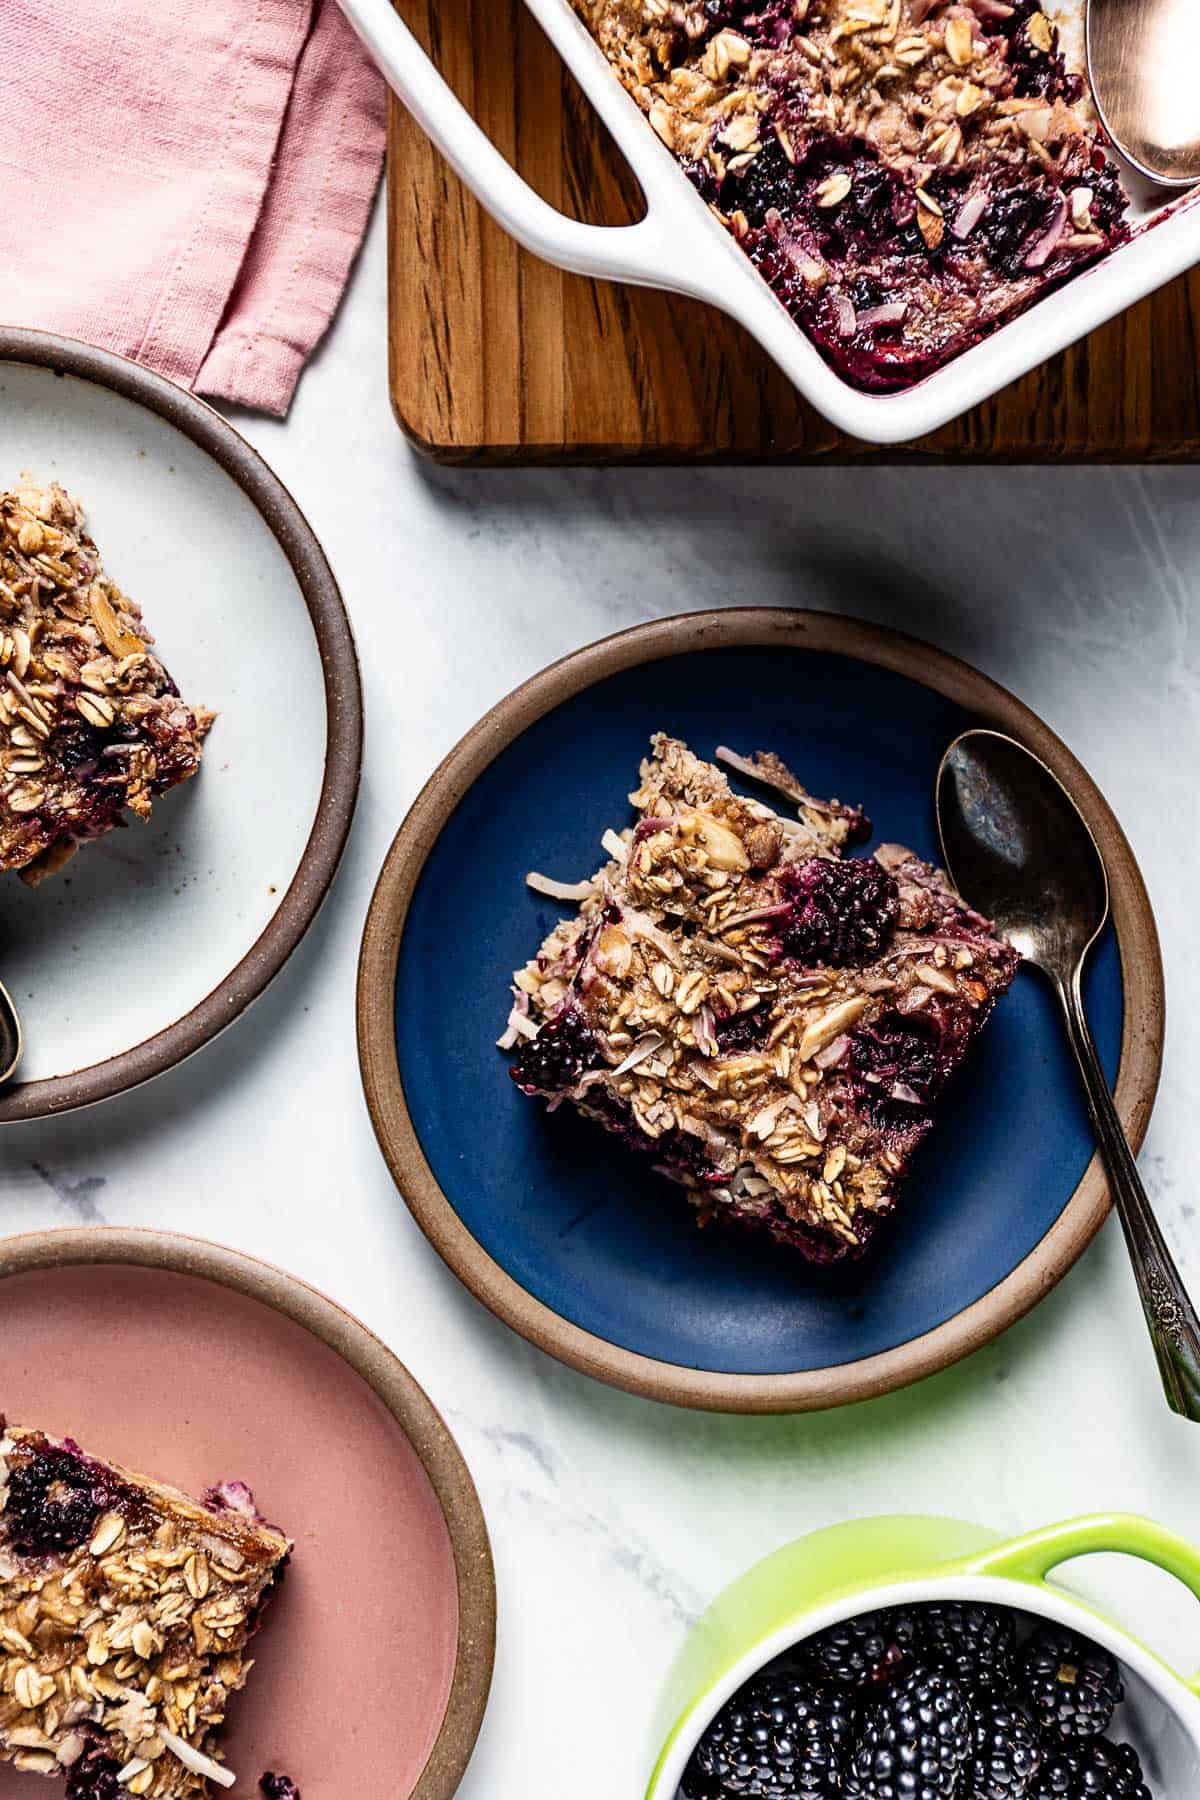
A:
(1033, 1558)
(645, 254)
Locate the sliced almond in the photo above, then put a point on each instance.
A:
(117, 641)
(109, 1532)
(827, 1025)
(960, 42)
(1040, 32)
(833, 189)
(935, 978)
(723, 847)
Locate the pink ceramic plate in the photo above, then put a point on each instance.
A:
(197, 1364)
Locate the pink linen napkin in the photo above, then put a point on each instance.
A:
(186, 181)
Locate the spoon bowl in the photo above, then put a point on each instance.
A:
(1018, 849)
(1142, 61)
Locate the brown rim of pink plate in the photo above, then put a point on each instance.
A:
(344, 728)
(807, 1390)
(404, 1398)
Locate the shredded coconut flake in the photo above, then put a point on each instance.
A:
(559, 890)
(617, 849)
(196, 1761)
(644, 927)
(645, 1046)
(832, 1054)
(518, 1026)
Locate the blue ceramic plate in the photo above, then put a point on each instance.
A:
(580, 1228)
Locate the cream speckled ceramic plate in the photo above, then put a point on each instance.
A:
(154, 938)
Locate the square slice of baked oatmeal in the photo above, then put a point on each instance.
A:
(770, 1021)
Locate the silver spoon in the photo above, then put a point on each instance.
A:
(1017, 848)
(10, 1036)
(1142, 61)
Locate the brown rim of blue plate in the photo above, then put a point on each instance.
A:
(807, 1390)
(344, 728)
(404, 1398)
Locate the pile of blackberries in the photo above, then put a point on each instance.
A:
(935, 1702)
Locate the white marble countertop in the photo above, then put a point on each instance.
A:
(613, 1519)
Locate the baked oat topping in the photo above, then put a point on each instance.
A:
(771, 1021)
(905, 173)
(125, 1612)
(90, 721)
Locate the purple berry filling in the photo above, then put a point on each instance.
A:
(840, 914)
(872, 242)
(233, 1497)
(563, 1050)
(94, 1777)
(1040, 73)
(278, 1787)
(743, 1031)
(759, 21)
(901, 1063)
(677, 1150)
(54, 1500)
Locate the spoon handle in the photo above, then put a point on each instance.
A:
(1170, 1315)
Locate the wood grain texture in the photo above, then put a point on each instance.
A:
(495, 357)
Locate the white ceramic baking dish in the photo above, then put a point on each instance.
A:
(678, 245)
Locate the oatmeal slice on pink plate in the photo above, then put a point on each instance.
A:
(126, 1609)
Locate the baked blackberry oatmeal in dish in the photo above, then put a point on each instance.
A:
(770, 1021)
(125, 1613)
(905, 174)
(91, 724)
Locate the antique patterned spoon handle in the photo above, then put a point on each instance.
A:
(1170, 1315)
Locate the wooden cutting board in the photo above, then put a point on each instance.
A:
(497, 358)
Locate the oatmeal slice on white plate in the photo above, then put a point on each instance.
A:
(91, 724)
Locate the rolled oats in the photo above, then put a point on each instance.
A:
(86, 706)
(812, 131)
(105, 1576)
(775, 1029)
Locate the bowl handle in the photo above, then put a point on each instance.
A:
(648, 254)
(1033, 1557)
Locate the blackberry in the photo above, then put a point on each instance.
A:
(913, 1743)
(867, 1651)
(898, 1066)
(768, 182)
(762, 21)
(278, 1787)
(1006, 1752)
(1037, 72)
(840, 912)
(560, 1053)
(743, 1030)
(973, 1643)
(1096, 1770)
(872, 202)
(54, 1500)
(783, 1735)
(81, 746)
(1015, 217)
(94, 1778)
(1073, 1685)
(1109, 200)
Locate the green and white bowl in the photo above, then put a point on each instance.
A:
(853, 1568)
